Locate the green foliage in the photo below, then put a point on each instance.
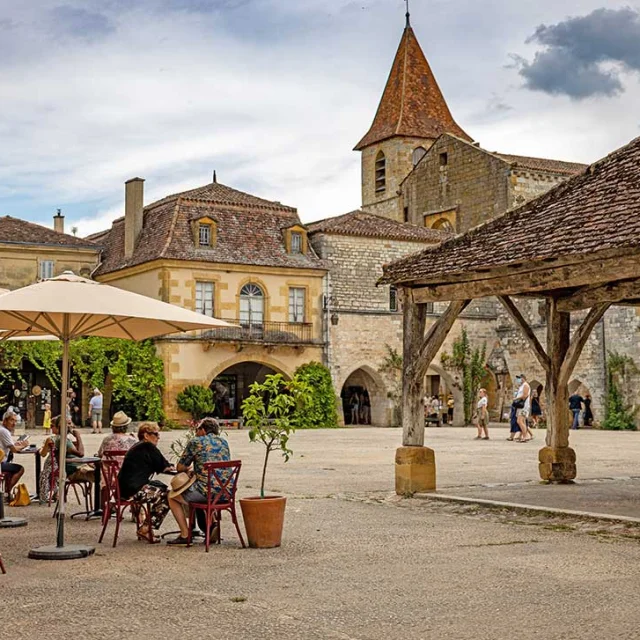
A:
(392, 366)
(321, 405)
(179, 444)
(136, 371)
(619, 416)
(196, 400)
(469, 364)
(273, 411)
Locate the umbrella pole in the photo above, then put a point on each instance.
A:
(62, 475)
(60, 551)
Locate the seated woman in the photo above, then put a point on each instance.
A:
(119, 440)
(75, 472)
(141, 462)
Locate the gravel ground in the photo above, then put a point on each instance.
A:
(356, 562)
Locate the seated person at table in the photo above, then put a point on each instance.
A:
(9, 446)
(75, 472)
(207, 446)
(134, 479)
(119, 440)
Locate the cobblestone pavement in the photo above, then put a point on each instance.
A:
(357, 562)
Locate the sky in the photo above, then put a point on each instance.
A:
(274, 94)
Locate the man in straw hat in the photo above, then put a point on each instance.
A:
(207, 446)
(119, 439)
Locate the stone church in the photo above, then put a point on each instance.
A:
(424, 178)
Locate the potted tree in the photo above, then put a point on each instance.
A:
(272, 412)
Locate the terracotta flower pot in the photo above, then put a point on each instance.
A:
(263, 520)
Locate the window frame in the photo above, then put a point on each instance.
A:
(41, 269)
(205, 226)
(297, 295)
(380, 173)
(393, 299)
(296, 238)
(201, 297)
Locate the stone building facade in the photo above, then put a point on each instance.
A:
(228, 254)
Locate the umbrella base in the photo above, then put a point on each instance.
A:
(10, 523)
(68, 552)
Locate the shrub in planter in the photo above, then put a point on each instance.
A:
(196, 400)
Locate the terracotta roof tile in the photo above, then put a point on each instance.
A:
(250, 231)
(594, 211)
(412, 103)
(14, 230)
(543, 164)
(361, 223)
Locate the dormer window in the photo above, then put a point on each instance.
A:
(204, 235)
(296, 242)
(295, 239)
(381, 172)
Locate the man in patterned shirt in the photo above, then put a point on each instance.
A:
(207, 446)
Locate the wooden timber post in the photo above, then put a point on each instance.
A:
(415, 463)
(557, 459)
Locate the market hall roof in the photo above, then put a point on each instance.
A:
(592, 219)
(249, 230)
(16, 231)
(368, 225)
(412, 103)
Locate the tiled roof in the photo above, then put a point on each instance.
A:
(543, 164)
(361, 223)
(591, 212)
(250, 231)
(14, 230)
(412, 103)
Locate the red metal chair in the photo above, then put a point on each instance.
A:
(222, 482)
(113, 504)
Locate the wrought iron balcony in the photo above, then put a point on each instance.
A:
(264, 333)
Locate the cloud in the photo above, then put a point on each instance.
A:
(584, 56)
(79, 22)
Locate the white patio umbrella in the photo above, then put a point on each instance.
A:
(69, 307)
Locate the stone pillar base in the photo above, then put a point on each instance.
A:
(557, 465)
(415, 470)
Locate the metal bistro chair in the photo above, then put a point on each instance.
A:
(85, 487)
(114, 504)
(222, 482)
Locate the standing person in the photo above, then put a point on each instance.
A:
(523, 409)
(354, 404)
(134, 479)
(575, 404)
(435, 408)
(207, 446)
(588, 414)
(482, 416)
(46, 421)
(366, 404)
(450, 405)
(95, 411)
(536, 410)
(9, 446)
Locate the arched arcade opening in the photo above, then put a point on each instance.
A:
(364, 399)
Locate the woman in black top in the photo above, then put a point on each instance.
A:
(588, 413)
(142, 461)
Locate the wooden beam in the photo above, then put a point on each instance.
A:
(524, 326)
(578, 340)
(592, 295)
(506, 281)
(435, 338)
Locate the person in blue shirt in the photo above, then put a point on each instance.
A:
(207, 446)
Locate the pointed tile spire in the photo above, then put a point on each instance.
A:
(412, 103)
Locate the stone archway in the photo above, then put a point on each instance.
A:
(230, 384)
(366, 378)
(453, 387)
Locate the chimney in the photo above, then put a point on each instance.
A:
(58, 222)
(133, 206)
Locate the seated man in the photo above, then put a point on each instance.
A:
(207, 446)
(8, 446)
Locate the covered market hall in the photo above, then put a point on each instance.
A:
(577, 247)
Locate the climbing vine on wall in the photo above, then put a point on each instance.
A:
(619, 414)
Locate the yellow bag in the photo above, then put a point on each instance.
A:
(21, 496)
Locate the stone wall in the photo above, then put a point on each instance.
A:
(472, 182)
(398, 153)
(527, 185)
